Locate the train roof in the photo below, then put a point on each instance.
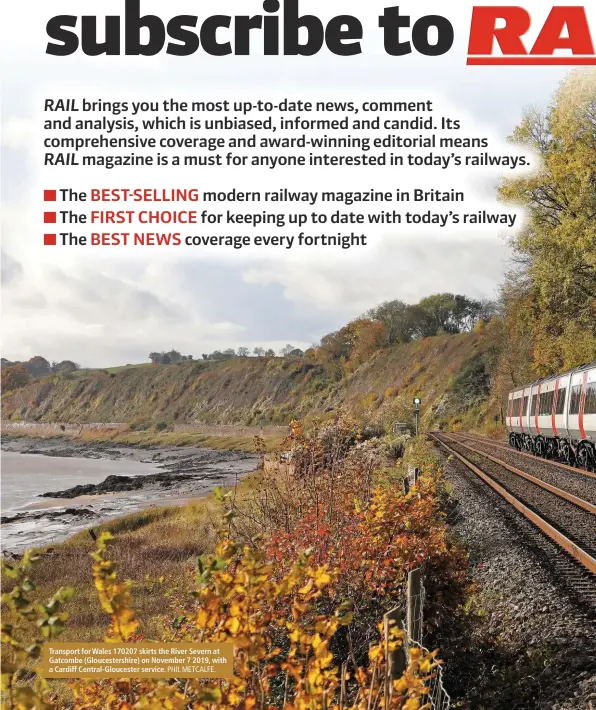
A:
(581, 368)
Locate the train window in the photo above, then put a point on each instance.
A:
(561, 401)
(533, 410)
(546, 403)
(525, 405)
(590, 403)
(576, 395)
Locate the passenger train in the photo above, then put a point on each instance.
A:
(556, 417)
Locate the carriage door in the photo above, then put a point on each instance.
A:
(576, 405)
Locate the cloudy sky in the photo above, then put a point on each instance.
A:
(102, 311)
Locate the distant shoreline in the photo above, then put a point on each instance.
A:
(219, 437)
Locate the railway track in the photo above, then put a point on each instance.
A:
(565, 518)
(505, 447)
(581, 488)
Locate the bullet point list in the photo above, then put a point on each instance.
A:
(49, 217)
(49, 240)
(49, 195)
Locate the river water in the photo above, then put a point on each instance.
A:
(26, 476)
(30, 467)
(36, 521)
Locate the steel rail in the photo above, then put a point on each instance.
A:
(580, 502)
(558, 537)
(505, 447)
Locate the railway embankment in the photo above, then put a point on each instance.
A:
(526, 637)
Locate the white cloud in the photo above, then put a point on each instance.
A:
(408, 271)
(103, 310)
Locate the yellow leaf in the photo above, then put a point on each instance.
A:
(232, 625)
(322, 578)
(235, 609)
(202, 618)
(307, 588)
(414, 654)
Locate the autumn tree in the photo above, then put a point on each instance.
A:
(365, 337)
(438, 313)
(334, 346)
(354, 343)
(37, 366)
(65, 367)
(399, 319)
(291, 351)
(554, 288)
(13, 377)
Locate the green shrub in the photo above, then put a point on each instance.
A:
(139, 425)
(472, 385)
(394, 446)
(373, 431)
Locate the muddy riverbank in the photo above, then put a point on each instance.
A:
(55, 487)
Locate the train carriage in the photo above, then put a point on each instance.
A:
(556, 417)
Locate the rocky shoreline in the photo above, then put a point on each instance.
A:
(182, 473)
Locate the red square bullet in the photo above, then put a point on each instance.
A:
(49, 217)
(49, 195)
(49, 240)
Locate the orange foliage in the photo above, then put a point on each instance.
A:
(301, 604)
(13, 377)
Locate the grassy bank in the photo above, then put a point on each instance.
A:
(156, 548)
(147, 439)
(163, 439)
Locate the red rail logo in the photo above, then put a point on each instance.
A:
(566, 28)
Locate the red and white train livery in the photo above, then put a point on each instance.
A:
(556, 417)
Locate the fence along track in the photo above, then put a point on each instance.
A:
(558, 537)
(412, 610)
(438, 696)
(505, 447)
(537, 481)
